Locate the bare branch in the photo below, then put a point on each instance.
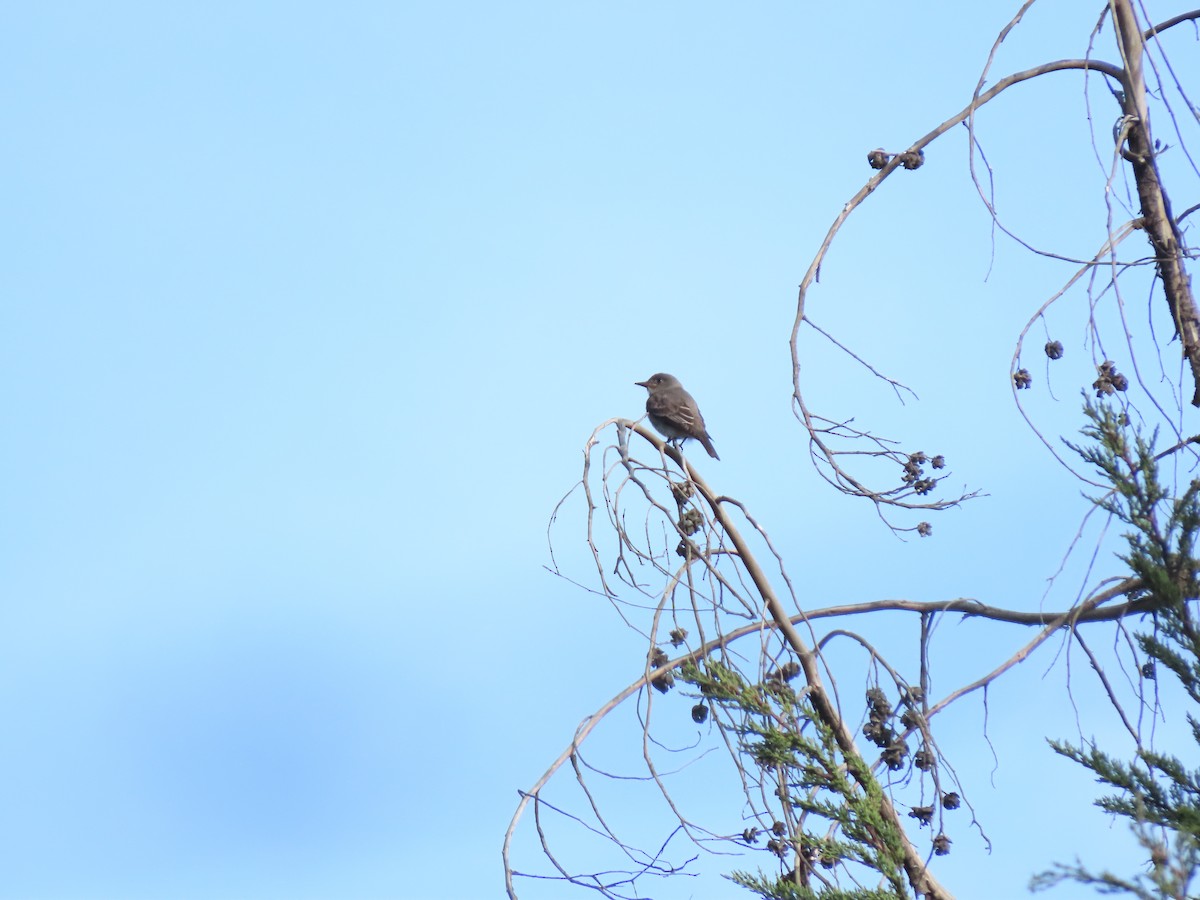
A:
(1170, 23)
(1160, 225)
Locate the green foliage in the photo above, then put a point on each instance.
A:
(829, 802)
(1156, 792)
(1162, 541)
(778, 888)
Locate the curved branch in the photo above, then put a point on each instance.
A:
(787, 625)
(813, 271)
(1170, 23)
(1086, 65)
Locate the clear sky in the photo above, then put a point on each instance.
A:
(308, 310)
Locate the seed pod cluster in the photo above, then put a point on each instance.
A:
(880, 733)
(786, 672)
(663, 683)
(913, 471)
(691, 521)
(1110, 379)
(682, 491)
(910, 159)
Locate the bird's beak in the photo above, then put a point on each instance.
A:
(642, 384)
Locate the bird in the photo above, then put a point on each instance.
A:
(674, 413)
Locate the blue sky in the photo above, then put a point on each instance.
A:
(308, 314)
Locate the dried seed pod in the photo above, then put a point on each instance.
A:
(924, 529)
(682, 490)
(1022, 379)
(951, 800)
(941, 845)
(878, 702)
(663, 683)
(699, 713)
(1054, 349)
(923, 814)
(691, 521)
(914, 694)
(877, 158)
(893, 756)
(666, 681)
(874, 732)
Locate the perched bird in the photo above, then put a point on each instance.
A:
(673, 412)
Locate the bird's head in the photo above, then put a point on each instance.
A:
(661, 380)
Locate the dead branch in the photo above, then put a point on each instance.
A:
(820, 448)
(1160, 226)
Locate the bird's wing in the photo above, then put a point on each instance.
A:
(674, 408)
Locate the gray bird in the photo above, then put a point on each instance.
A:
(673, 412)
